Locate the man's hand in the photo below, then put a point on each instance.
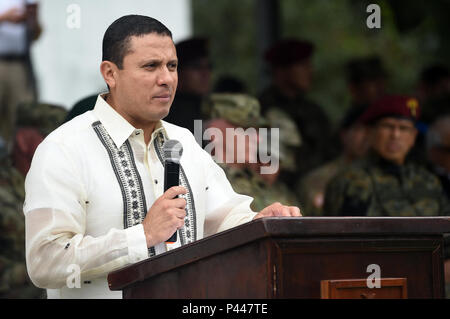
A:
(278, 210)
(165, 216)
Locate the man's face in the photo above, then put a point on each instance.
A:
(393, 138)
(301, 75)
(368, 90)
(354, 141)
(145, 87)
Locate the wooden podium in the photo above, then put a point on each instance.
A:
(306, 257)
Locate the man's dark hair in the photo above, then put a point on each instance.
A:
(116, 41)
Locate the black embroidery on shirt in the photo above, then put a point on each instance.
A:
(124, 167)
(188, 233)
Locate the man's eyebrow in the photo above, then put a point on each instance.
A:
(151, 61)
(156, 61)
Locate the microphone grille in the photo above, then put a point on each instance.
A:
(172, 150)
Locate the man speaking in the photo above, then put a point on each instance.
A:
(94, 193)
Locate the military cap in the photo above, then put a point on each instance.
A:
(190, 50)
(239, 109)
(290, 137)
(289, 51)
(45, 117)
(392, 106)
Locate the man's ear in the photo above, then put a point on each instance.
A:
(109, 72)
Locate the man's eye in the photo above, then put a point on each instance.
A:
(172, 66)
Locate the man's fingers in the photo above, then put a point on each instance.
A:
(279, 210)
(179, 203)
(180, 213)
(285, 211)
(295, 211)
(174, 192)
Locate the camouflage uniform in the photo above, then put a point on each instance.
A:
(14, 280)
(240, 109)
(247, 182)
(45, 117)
(244, 111)
(311, 188)
(376, 187)
(313, 126)
(290, 138)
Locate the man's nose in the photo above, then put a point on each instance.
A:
(396, 132)
(166, 76)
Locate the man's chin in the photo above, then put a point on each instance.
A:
(395, 158)
(164, 114)
(163, 111)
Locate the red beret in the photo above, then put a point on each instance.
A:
(289, 51)
(392, 105)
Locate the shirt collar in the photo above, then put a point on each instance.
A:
(117, 127)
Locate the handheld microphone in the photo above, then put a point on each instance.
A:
(172, 153)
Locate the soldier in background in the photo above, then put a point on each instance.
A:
(231, 111)
(433, 90)
(366, 80)
(291, 70)
(14, 280)
(34, 122)
(386, 182)
(434, 81)
(438, 151)
(353, 137)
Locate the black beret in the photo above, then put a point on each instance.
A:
(288, 51)
(190, 50)
(368, 68)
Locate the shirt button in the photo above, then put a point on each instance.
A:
(156, 181)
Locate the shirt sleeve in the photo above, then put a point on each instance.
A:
(55, 225)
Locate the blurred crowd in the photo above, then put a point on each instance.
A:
(387, 143)
(389, 156)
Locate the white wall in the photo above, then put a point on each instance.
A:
(66, 58)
